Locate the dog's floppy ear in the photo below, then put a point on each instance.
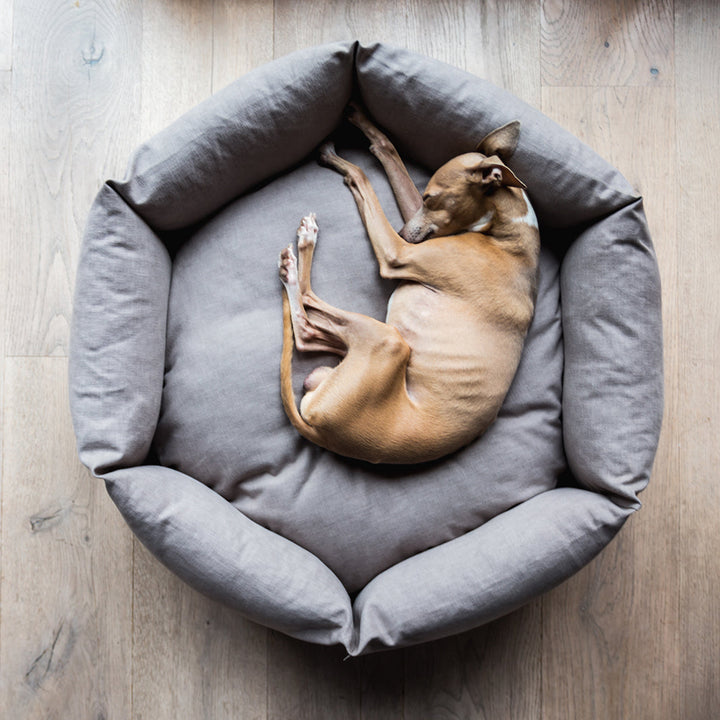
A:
(501, 142)
(492, 173)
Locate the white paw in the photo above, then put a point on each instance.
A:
(308, 230)
(287, 266)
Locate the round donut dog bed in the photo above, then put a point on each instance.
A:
(176, 343)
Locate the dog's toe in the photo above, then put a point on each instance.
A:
(287, 266)
(308, 230)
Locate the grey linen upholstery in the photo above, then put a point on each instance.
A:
(176, 340)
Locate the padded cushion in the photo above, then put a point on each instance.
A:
(176, 345)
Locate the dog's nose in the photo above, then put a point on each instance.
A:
(411, 235)
(411, 231)
(415, 233)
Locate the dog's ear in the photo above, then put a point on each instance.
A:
(492, 173)
(501, 142)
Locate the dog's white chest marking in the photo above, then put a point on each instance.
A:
(483, 223)
(529, 218)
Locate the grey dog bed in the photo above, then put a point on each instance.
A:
(176, 342)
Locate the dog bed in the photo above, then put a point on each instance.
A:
(176, 339)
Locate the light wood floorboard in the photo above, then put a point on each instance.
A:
(698, 156)
(91, 626)
(67, 600)
(624, 124)
(6, 26)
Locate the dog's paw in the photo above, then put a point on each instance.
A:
(308, 231)
(287, 267)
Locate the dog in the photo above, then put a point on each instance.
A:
(432, 377)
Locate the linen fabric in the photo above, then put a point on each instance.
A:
(177, 330)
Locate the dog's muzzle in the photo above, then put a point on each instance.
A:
(414, 232)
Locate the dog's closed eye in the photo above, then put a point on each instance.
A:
(430, 201)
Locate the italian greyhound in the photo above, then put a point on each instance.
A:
(433, 376)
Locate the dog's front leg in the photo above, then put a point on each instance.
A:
(392, 252)
(406, 193)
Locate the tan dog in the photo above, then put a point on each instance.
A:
(432, 377)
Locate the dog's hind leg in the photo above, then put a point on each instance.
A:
(370, 376)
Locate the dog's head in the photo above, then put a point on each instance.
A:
(455, 199)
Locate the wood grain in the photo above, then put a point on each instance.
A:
(5, 215)
(69, 130)
(614, 42)
(192, 658)
(698, 157)
(299, 25)
(177, 60)
(310, 681)
(242, 38)
(502, 44)
(6, 26)
(381, 679)
(492, 672)
(306, 681)
(438, 29)
(65, 628)
(633, 130)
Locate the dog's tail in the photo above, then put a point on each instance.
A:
(286, 388)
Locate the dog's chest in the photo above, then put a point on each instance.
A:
(431, 322)
(413, 309)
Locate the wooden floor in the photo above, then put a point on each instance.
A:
(92, 627)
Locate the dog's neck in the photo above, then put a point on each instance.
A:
(508, 217)
(504, 206)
